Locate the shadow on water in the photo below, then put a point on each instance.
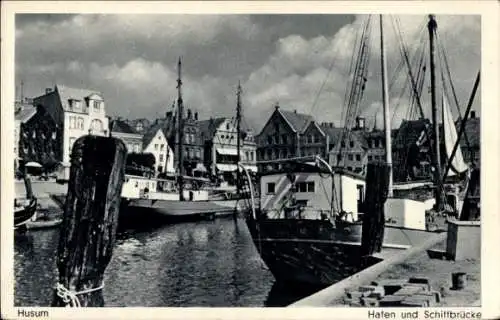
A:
(282, 295)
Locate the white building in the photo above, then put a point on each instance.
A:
(79, 112)
(155, 142)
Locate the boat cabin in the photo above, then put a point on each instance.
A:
(309, 191)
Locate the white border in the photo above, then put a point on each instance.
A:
(488, 10)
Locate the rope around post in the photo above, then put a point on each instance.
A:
(70, 297)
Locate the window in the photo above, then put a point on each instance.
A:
(270, 187)
(358, 157)
(96, 124)
(247, 155)
(72, 122)
(351, 144)
(284, 139)
(198, 153)
(251, 155)
(349, 168)
(343, 144)
(316, 138)
(302, 187)
(305, 186)
(97, 105)
(161, 157)
(285, 153)
(310, 186)
(339, 157)
(369, 158)
(136, 148)
(269, 139)
(350, 157)
(227, 126)
(54, 135)
(156, 146)
(310, 139)
(162, 146)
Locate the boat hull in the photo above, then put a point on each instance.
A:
(21, 216)
(178, 210)
(315, 253)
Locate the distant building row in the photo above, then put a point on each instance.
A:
(289, 134)
(47, 127)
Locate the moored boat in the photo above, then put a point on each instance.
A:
(25, 209)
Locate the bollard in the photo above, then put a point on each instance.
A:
(90, 220)
(458, 280)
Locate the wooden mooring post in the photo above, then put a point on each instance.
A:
(377, 184)
(90, 220)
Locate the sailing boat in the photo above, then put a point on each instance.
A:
(299, 229)
(142, 195)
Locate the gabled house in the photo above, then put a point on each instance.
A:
(78, 112)
(192, 143)
(132, 139)
(350, 149)
(411, 154)
(281, 135)
(22, 114)
(155, 142)
(220, 147)
(314, 140)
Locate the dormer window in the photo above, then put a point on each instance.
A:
(76, 105)
(96, 105)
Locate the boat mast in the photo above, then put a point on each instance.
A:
(432, 26)
(180, 131)
(238, 137)
(385, 99)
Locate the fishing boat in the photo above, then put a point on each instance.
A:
(183, 197)
(25, 209)
(310, 225)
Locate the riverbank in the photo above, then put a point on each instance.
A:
(427, 265)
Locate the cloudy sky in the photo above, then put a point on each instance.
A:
(300, 61)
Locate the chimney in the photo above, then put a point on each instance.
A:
(196, 116)
(295, 111)
(48, 90)
(277, 106)
(473, 114)
(168, 114)
(189, 114)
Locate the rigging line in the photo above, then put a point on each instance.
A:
(426, 130)
(444, 56)
(352, 89)
(323, 84)
(405, 53)
(357, 42)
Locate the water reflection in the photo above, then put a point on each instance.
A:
(206, 264)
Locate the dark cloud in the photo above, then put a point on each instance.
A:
(132, 59)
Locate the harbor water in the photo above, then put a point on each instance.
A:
(196, 264)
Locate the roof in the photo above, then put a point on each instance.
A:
(67, 93)
(24, 114)
(121, 126)
(409, 131)
(151, 133)
(333, 133)
(208, 127)
(298, 121)
(473, 132)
